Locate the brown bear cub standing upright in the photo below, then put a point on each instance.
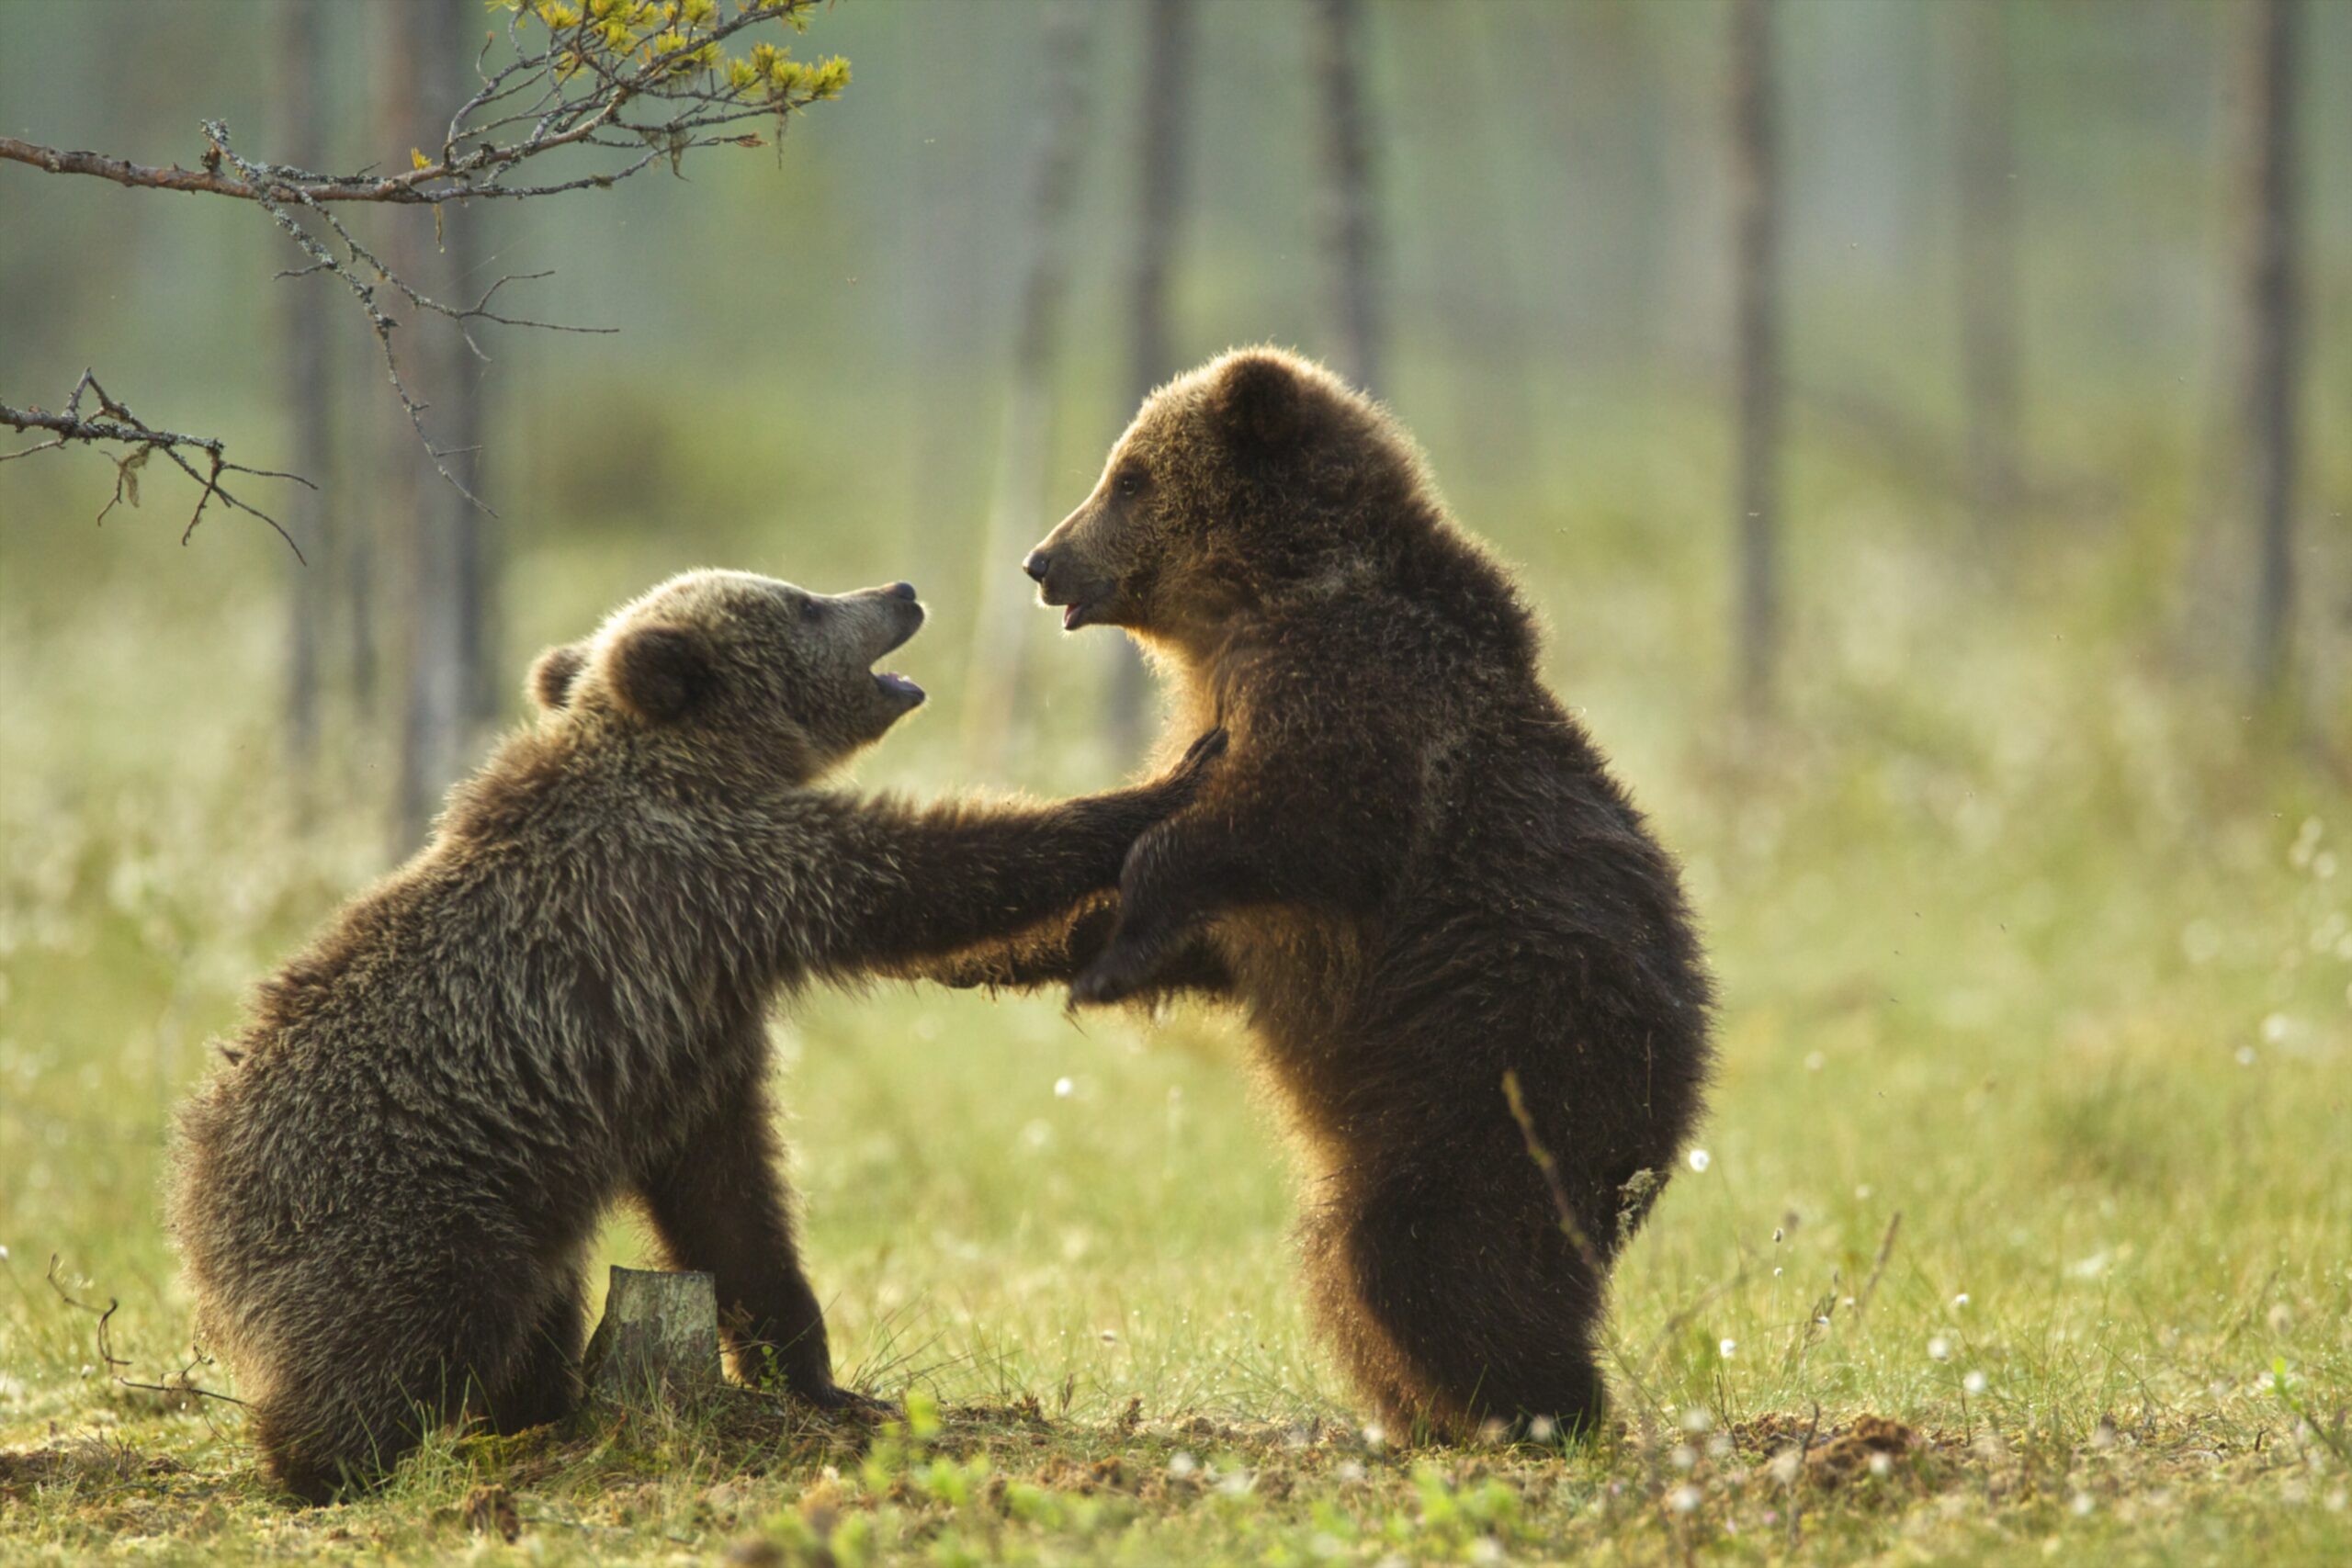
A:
(384, 1199)
(1412, 869)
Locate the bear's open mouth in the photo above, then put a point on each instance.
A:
(890, 682)
(1086, 607)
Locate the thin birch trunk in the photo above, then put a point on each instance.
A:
(310, 598)
(1989, 262)
(1756, 267)
(2273, 290)
(1016, 513)
(1166, 116)
(442, 545)
(1350, 223)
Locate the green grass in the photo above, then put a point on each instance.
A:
(2025, 939)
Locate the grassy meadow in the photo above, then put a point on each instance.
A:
(2022, 1231)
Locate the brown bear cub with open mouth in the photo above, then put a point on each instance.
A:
(383, 1200)
(1412, 870)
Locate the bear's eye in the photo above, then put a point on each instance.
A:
(1129, 482)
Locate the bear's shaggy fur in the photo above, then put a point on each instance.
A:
(384, 1196)
(1413, 871)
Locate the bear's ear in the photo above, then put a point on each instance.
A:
(660, 672)
(1259, 400)
(554, 672)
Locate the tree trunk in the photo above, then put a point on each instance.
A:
(382, 590)
(1350, 226)
(1016, 510)
(1756, 263)
(445, 689)
(474, 544)
(1988, 261)
(309, 411)
(657, 1343)
(2273, 304)
(1166, 114)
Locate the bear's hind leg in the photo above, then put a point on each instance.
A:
(356, 1390)
(721, 1207)
(319, 1444)
(1450, 1320)
(544, 1384)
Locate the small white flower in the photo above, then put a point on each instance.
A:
(1684, 1458)
(1182, 1464)
(2082, 1504)
(1109, 1337)
(1683, 1499)
(1698, 1418)
(1727, 1348)
(1351, 1471)
(1973, 1382)
(1701, 1159)
(1375, 1436)
(1786, 1465)
(2276, 1028)
(3, 1254)
(1541, 1429)
(1939, 1349)
(1961, 1300)
(1882, 1465)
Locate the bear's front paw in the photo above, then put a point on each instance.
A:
(836, 1399)
(1177, 789)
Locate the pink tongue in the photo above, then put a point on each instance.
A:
(1069, 619)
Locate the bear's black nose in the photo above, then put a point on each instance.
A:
(903, 590)
(1037, 566)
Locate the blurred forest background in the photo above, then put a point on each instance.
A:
(1926, 429)
(2005, 305)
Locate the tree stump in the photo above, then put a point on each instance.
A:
(657, 1343)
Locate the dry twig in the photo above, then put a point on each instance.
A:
(622, 86)
(115, 422)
